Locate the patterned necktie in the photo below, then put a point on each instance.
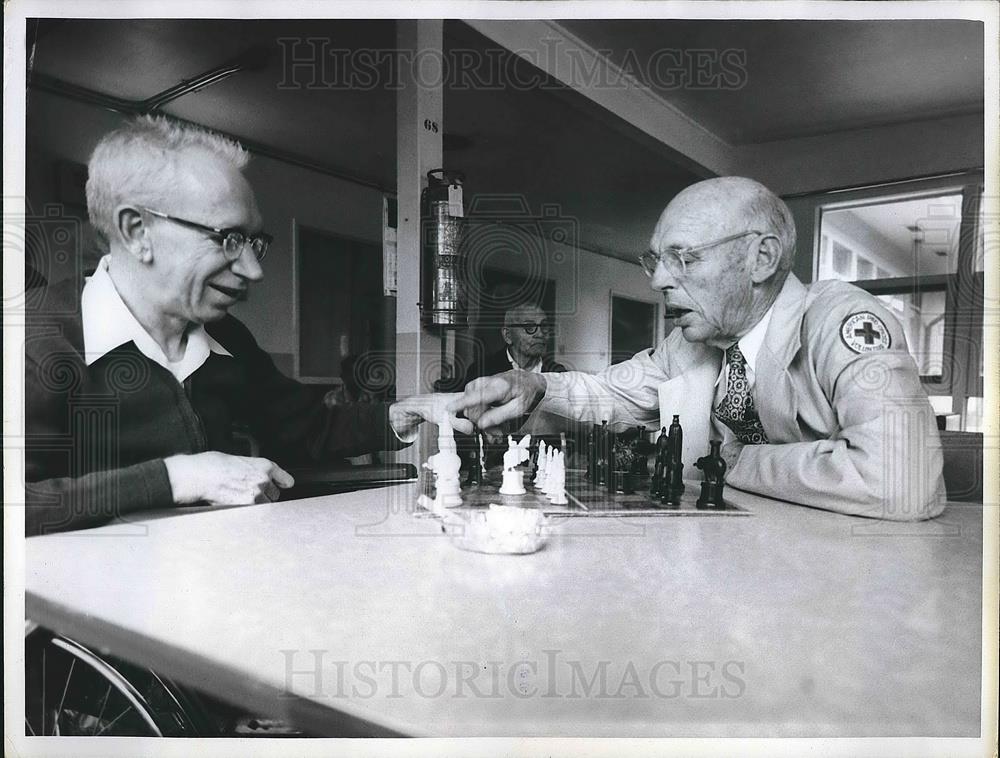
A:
(736, 410)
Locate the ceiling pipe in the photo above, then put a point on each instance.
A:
(252, 59)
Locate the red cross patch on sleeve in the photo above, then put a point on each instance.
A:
(864, 332)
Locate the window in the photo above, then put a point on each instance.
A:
(633, 326)
(921, 254)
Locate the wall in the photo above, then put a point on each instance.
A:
(285, 192)
(866, 156)
(584, 282)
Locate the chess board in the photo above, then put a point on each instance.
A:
(588, 500)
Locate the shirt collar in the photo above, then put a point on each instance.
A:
(108, 323)
(751, 342)
(537, 368)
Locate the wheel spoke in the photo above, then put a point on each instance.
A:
(103, 706)
(112, 722)
(28, 724)
(72, 665)
(43, 690)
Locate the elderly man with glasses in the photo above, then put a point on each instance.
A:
(526, 330)
(138, 387)
(810, 388)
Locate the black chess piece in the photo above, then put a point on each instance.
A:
(714, 467)
(611, 440)
(673, 476)
(591, 474)
(660, 465)
(675, 480)
(476, 464)
(623, 469)
(676, 436)
(642, 448)
(603, 454)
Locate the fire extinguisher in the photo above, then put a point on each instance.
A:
(443, 297)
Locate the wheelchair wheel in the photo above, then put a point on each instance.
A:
(71, 690)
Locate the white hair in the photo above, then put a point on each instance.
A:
(515, 313)
(138, 163)
(769, 213)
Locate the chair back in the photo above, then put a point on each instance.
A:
(963, 465)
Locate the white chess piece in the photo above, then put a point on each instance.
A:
(482, 458)
(542, 460)
(513, 480)
(550, 472)
(446, 466)
(559, 486)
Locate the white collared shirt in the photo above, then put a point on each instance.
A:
(536, 369)
(750, 344)
(108, 323)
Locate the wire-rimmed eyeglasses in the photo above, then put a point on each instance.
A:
(232, 240)
(676, 259)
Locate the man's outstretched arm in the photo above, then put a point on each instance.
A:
(624, 394)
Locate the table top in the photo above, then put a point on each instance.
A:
(347, 614)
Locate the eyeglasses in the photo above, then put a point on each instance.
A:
(233, 240)
(676, 259)
(530, 328)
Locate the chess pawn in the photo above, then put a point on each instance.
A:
(591, 457)
(559, 485)
(476, 469)
(603, 454)
(676, 438)
(674, 482)
(550, 472)
(642, 451)
(446, 465)
(542, 462)
(658, 483)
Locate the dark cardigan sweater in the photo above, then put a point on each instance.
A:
(96, 436)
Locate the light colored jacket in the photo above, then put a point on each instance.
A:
(849, 431)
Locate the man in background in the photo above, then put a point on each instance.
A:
(526, 331)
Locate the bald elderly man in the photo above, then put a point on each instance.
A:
(811, 388)
(138, 387)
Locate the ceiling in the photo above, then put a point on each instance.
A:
(305, 111)
(546, 142)
(802, 77)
